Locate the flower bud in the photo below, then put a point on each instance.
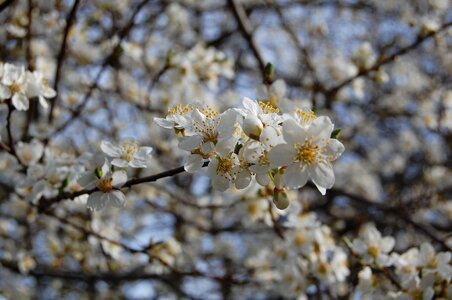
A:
(252, 127)
(280, 199)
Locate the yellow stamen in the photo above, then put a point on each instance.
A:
(307, 153)
(224, 166)
(268, 107)
(105, 185)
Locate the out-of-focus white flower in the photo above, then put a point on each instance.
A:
(274, 93)
(39, 87)
(372, 247)
(14, 86)
(432, 262)
(177, 118)
(29, 153)
(25, 262)
(127, 154)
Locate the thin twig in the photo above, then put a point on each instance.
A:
(247, 30)
(45, 203)
(61, 55)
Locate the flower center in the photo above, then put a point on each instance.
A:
(268, 107)
(307, 153)
(15, 88)
(180, 109)
(305, 117)
(105, 185)
(225, 165)
(373, 251)
(263, 159)
(128, 150)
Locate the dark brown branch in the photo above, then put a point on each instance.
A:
(109, 60)
(384, 60)
(396, 211)
(61, 55)
(45, 203)
(12, 148)
(5, 4)
(247, 30)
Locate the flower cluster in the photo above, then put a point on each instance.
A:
(20, 85)
(418, 273)
(106, 179)
(256, 141)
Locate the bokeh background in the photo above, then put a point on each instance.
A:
(381, 70)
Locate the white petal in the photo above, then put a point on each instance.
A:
(278, 88)
(281, 155)
(193, 163)
(20, 101)
(250, 105)
(43, 102)
(110, 149)
(189, 143)
(48, 92)
(262, 178)
(220, 183)
(145, 152)
(334, 148)
(243, 179)
(117, 199)
(224, 147)
(5, 93)
(387, 244)
(138, 163)
(295, 176)
(293, 133)
(96, 201)
(164, 123)
(119, 178)
(322, 175)
(88, 180)
(227, 122)
(208, 147)
(321, 128)
(118, 162)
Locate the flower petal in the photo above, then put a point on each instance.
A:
(193, 163)
(119, 178)
(281, 155)
(116, 199)
(243, 179)
(295, 176)
(293, 133)
(20, 101)
(322, 175)
(189, 143)
(110, 149)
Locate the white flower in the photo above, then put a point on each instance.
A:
(274, 93)
(39, 87)
(207, 130)
(307, 153)
(224, 168)
(127, 154)
(29, 154)
(177, 117)
(26, 262)
(260, 118)
(372, 247)
(14, 86)
(108, 184)
(433, 262)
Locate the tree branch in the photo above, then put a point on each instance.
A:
(61, 55)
